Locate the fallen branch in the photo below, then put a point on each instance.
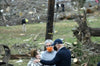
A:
(35, 38)
(85, 64)
(18, 56)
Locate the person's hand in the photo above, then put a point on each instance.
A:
(36, 61)
(85, 64)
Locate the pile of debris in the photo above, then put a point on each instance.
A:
(12, 11)
(35, 11)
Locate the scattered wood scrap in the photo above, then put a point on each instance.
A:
(22, 56)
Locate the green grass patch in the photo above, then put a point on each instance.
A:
(14, 35)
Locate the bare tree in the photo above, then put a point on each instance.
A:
(49, 28)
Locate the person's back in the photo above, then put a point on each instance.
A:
(23, 21)
(98, 64)
(65, 57)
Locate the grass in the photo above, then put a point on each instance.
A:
(94, 23)
(13, 35)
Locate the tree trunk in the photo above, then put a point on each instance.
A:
(95, 32)
(81, 3)
(49, 27)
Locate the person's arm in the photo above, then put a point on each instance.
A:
(54, 61)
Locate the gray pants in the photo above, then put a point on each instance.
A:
(24, 28)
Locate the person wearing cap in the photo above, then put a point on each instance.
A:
(49, 52)
(63, 55)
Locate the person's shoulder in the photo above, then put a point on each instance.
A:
(44, 52)
(98, 64)
(64, 49)
(67, 49)
(55, 51)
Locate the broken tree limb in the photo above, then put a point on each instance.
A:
(82, 32)
(95, 32)
(6, 56)
(85, 64)
(18, 56)
(35, 38)
(7, 2)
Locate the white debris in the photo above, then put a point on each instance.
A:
(1, 10)
(22, 34)
(75, 60)
(41, 43)
(7, 25)
(28, 39)
(38, 17)
(34, 10)
(0, 60)
(84, 8)
(19, 61)
(30, 12)
(41, 22)
(75, 43)
(12, 0)
(69, 45)
(62, 39)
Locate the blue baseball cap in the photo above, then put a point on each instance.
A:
(57, 41)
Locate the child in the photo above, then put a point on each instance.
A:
(34, 55)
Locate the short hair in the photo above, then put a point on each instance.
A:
(34, 52)
(48, 41)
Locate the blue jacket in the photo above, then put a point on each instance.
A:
(62, 58)
(98, 64)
